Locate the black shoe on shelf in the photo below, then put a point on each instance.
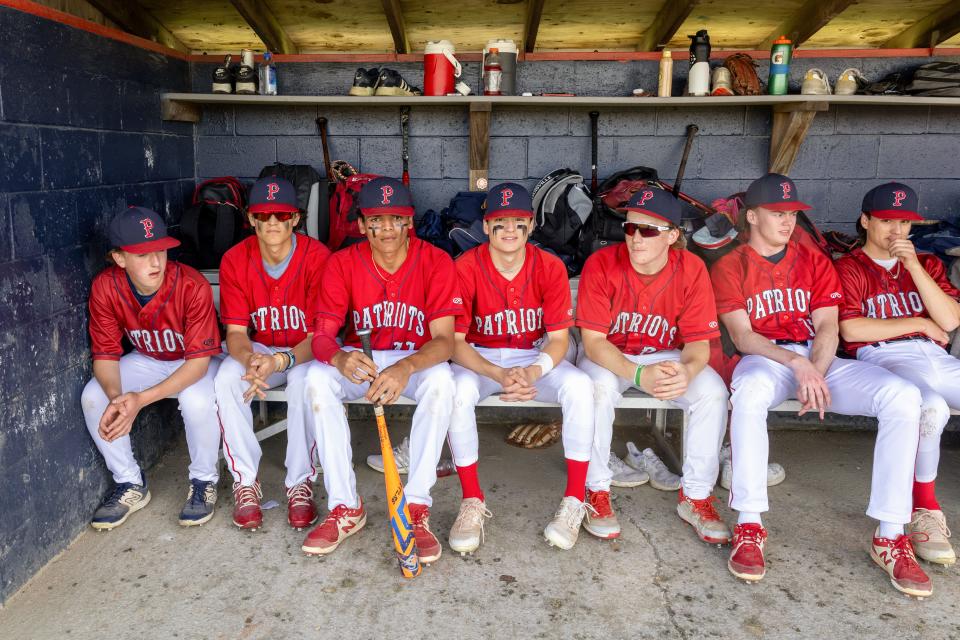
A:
(223, 77)
(365, 81)
(246, 80)
(391, 84)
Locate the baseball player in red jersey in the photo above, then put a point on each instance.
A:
(779, 300)
(269, 284)
(405, 290)
(897, 309)
(165, 310)
(646, 316)
(512, 338)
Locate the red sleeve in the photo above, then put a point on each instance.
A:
(106, 333)
(934, 266)
(854, 286)
(234, 308)
(201, 336)
(333, 302)
(826, 290)
(727, 278)
(557, 301)
(594, 300)
(443, 297)
(698, 317)
(317, 257)
(466, 277)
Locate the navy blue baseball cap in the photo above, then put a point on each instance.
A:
(775, 192)
(385, 196)
(657, 203)
(508, 200)
(892, 201)
(272, 194)
(140, 230)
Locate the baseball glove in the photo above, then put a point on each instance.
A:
(743, 72)
(534, 435)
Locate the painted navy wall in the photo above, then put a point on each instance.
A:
(80, 136)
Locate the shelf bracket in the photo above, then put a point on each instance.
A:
(791, 121)
(180, 111)
(479, 145)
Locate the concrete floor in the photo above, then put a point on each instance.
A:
(154, 579)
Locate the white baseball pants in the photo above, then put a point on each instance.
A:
(197, 406)
(240, 447)
(705, 404)
(326, 390)
(564, 384)
(856, 389)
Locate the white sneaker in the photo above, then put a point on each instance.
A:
(849, 82)
(934, 543)
(466, 534)
(660, 477)
(564, 529)
(815, 83)
(401, 454)
(625, 476)
(775, 472)
(721, 82)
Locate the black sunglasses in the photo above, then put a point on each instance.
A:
(646, 230)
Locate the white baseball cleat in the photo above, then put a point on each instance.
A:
(932, 539)
(401, 454)
(624, 475)
(775, 472)
(564, 529)
(467, 531)
(703, 517)
(660, 476)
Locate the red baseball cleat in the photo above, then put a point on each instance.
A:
(301, 509)
(246, 510)
(703, 517)
(600, 520)
(746, 557)
(896, 557)
(428, 547)
(341, 523)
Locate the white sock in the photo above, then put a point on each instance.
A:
(890, 530)
(746, 516)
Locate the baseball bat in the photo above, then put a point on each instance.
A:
(691, 132)
(405, 150)
(398, 514)
(322, 123)
(594, 118)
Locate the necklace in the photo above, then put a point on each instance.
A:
(380, 273)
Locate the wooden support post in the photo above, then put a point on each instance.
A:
(264, 23)
(398, 28)
(666, 24)
(790, 125)
(930, 30)
(479, 145)
(532, 24)
(179, 111)
(138, 21)
(806, 21)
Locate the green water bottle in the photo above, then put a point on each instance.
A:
(779, 79)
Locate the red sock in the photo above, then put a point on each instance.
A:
(469, 482)
(576, 478)
(924, 496)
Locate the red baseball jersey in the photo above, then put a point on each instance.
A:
(778, 298)
(645, 314)
(281, 312)
(870, 291)
(512, 314)
(179, 322)
(398, 307)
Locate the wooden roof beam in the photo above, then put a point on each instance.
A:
(532, 24)
(810, 18)
(930, 31)
(258, 15)
(135, 19)
(391, 8)
(667, 22)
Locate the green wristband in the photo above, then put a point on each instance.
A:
(636, 376)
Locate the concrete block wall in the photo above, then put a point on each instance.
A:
(848, 150)
(80, 137)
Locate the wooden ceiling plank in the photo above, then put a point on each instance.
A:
(930, 31)
(532, 24)
(666, 24)
(809, 18)
(138, 21)
(261, 19)
(391, 8)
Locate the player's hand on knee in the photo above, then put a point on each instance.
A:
(812, 390)
(257, 387)
(672, 381)
(109, 415)
(391, 382)
(355, 366)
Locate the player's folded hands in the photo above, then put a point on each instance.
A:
(672, 380)
(812, 390)
(516, 385)
(117, 419)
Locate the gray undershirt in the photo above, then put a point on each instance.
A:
(276, 271)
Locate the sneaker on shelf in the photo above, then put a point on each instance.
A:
(815, 83)
(466, 534)
(850, 81)
(600, 520)
(401, 455)
(301, 508)
(246, 80)
(223, 76)
(746, 556)
(721, 82)
(660, 476)
(390, 83)
(341, 523)
(931, 536)
(201, 499)
(246, 505)
(703, 517)
(119, 504)
(564, 529)
(428, 547)
(775, 472)
(365, 81)
(897, 558)
(624, 475)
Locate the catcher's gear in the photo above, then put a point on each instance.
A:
(743, 70)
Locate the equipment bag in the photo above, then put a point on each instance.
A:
(604, 227)
(936, 79)
(562, 205)
(213, 222)
(344, 207)
(313, 195)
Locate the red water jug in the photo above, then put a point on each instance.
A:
(440, 68)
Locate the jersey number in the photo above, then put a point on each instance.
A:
(398, 346)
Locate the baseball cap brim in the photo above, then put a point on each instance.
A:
(272, 207)
(508, 213)
(647, 212)
(388, 211)
(793, 205)
(152, 245)
(896, 214)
